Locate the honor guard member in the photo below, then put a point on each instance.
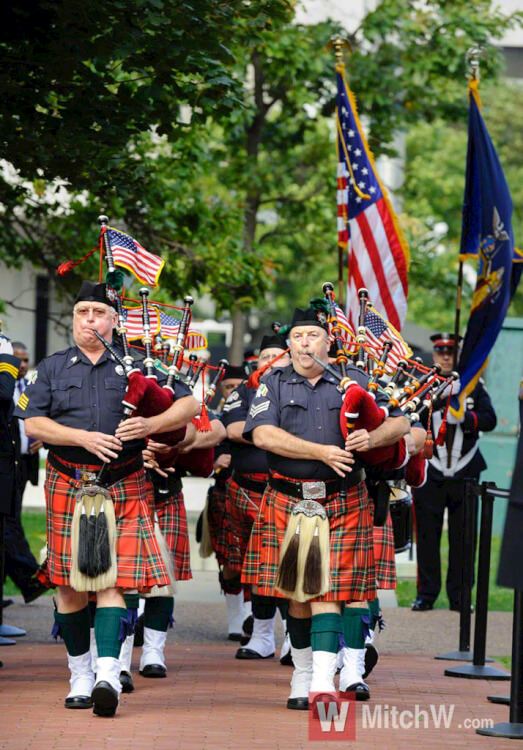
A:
(74, 405)
(295, 417)
(460, 457)
(245, 491)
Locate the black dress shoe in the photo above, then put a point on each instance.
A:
(421, 606)
(360, 690)
(105, 699)
(287, 660)
(7, 603)
(371, 658)
(248, 653)
(33, 590)
(126, 681)
(138, 632)
(244, 640)
(154, 670)
(235, 637)
(79, 701)
(298, 704)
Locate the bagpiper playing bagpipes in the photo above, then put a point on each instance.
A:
(321, 426)
(74, 405)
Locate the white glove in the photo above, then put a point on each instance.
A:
(451, 388)
(5, 345)
(451, 419)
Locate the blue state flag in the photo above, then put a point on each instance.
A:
(486, 234)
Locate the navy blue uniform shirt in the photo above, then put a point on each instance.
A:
(69, 389)
(311, 412)
(247, 459)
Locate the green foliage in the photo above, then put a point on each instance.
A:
(433, 198)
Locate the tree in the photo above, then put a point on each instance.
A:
(240, 199)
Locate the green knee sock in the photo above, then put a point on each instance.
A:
(110, 629)
(158, 613)
(74, 629)
(132, 600)
(325, 632)
(353, 630)
(374, 612)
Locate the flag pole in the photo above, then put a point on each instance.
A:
(338, 44)
(472, 57)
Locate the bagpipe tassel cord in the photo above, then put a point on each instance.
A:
(440, 440)
(204, 424)
(170, 589)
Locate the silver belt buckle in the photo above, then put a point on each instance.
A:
(314, 490)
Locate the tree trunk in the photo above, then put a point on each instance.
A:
(253, 136)
(238, 333)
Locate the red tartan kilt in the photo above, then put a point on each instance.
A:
(351, 545)
(140, 565)
(385, 555)
(172, 519)
(219, 522)
(243, 507)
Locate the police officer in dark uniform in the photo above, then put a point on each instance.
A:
(295, 417)
(245, 491)
(460, 457)
(74, 405)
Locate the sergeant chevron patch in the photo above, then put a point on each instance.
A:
(259, 408)
(229, 406)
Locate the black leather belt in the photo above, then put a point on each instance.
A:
(112, 474)
(248, 484)
(315, 489)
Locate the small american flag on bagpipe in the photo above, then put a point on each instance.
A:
(161, 323)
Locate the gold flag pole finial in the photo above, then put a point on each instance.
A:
(338, 44)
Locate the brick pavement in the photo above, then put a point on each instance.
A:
(210, 700)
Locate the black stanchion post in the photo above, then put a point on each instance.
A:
(477, 670)
(467, 575)
(513, 729)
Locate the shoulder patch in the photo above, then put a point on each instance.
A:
(233, 397)
(262, 390)
(33, 377)
(160, 366)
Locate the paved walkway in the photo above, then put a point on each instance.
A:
(210, 700)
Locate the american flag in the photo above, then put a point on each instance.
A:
(367, 226)
(347, 333)
(160, 323)
(378, 332)
(128, 253)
